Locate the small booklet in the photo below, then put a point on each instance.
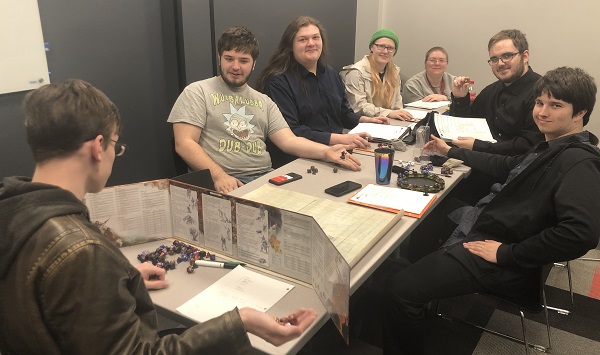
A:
(380, 132)
(393, 199)
(450, 127)
(428, 105)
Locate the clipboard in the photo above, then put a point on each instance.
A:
(392, 199)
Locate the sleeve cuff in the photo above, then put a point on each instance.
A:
(481, 146)
(504, 255)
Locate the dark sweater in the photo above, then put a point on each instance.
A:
(508, 111)
(547, 213)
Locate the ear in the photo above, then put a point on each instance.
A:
(97, 148)
(579, 116)
(525, 55)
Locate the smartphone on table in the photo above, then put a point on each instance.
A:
(343, 188)
(284, 179)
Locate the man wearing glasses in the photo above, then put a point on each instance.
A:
(506, 104)
(64, 288)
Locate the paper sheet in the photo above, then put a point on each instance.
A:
(428, 105)
(417, 114)
(413, 203)
(239, 288)
(450, 127)
(380, 131)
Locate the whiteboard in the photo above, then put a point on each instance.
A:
(23, 63)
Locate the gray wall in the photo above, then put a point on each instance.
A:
(559, 34)
(126, 49)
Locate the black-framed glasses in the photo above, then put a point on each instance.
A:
(506, 57)
(119, 148)
(383, 47)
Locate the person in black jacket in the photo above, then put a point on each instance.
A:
(506, 104)
(544, 212)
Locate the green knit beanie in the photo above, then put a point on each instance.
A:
(384, 33)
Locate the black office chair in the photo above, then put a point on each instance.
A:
(532, 302)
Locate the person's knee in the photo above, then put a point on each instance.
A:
(403, 294)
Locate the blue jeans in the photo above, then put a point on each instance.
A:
(251, 177)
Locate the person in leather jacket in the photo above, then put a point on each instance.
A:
(64, 287)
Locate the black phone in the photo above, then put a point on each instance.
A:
(343, 188)
(284, 179)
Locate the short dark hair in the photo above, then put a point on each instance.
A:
(571, 85)
(59, 118)
(517, 37)
(240, 39)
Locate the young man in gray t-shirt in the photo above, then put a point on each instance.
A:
(221, 123)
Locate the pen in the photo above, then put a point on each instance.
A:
(224, 264)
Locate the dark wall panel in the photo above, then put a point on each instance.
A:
(126, 49)
(196, 36)
(267, 19)
(15, 156)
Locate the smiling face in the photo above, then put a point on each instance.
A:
(383, 50)
(236, 67)
(555, 117)
(436, 63)
(307, 46)
(511, 70)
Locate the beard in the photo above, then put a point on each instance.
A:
(235, 84)
(518, 73)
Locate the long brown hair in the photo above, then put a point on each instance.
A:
(383, 91)
(283, 58)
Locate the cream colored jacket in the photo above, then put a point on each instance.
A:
(357, 79)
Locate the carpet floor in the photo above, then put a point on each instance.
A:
(577, 333)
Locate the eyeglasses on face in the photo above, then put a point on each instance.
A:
(119, 148)
(506, 57)
(436, 61)
(383, 47)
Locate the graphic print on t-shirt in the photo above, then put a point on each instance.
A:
(238, 123)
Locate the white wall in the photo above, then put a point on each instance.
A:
(560, 33)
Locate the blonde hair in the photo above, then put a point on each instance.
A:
(383, 91)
